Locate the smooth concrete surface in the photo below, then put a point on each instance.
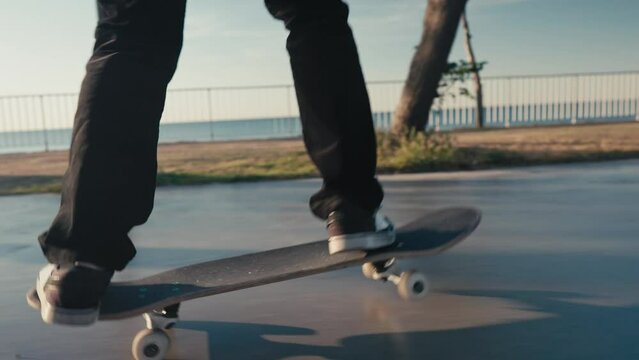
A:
(551, 273)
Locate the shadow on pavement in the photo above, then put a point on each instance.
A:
(246, 341)
(570, 331)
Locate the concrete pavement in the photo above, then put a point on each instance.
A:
(551, 273)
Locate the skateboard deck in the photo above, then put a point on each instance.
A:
(432, 233)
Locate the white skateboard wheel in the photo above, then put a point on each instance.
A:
(412, 285)
(369, 271)
(150, 345)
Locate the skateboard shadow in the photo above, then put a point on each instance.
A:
(571, 330)
(228, 340)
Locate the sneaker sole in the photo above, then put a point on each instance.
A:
(54, 315)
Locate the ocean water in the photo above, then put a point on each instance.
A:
(270, 128)
(59, 139)
(497, 116)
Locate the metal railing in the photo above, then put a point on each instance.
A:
(43, 122)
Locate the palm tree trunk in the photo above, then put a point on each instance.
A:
(429, 62)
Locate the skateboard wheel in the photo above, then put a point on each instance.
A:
(412, 285)
(150, 345)
(369, 270)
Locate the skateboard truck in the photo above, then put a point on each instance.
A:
(410, 284)
(153, 342)
(163, 319)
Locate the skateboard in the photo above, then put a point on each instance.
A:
(158, 297)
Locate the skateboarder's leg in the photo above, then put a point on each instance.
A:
(334, 107)
(110, 182)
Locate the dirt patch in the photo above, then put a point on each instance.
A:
(184, 163)
(583, 138)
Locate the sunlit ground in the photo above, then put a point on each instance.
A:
(550, 273)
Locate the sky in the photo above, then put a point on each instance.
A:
(45, 44)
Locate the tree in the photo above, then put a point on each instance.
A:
(429, 62)
(454, 80)
(474, 68)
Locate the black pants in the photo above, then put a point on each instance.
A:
(110, 182)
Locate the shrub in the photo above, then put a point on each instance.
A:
(414, 150)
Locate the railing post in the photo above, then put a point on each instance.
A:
(210, 108)
(636, 92)
(575, 114)
(44, 125)
(505, 98)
